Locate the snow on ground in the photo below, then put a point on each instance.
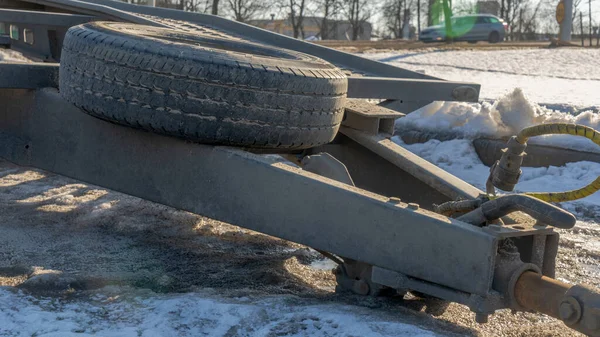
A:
(459, 158)
(7, 55)
(145, 314)
(503, 118)
(557, 76)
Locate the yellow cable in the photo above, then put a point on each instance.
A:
(566, 129)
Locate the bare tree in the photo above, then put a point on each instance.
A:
(328, 9)
(244, 10)
(447, 19)
(576, 4)
(295, 10)
(215, 7)
(201, 6)
(357, 12)
(434, 8)
(394, 12)
(418, 16)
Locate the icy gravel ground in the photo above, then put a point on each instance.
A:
(564, 76)
(144, 314)
(76, 259)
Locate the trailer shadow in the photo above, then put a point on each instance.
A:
(60, 238)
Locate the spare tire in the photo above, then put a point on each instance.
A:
(201, 87)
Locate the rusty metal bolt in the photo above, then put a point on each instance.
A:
(413, 206)
(394, 200)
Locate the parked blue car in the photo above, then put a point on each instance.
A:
(472, 28)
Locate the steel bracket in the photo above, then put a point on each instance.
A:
(371, 118)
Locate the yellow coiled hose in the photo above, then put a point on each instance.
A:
(566, 129)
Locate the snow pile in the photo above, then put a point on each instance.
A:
(504, 118)
(459, 158)
(140, 313)
(7, 55)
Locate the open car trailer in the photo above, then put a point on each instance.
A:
(118, 97)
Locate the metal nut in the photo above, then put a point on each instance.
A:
(569, 310)
(394, 200)
(566, 310)
(414, 206)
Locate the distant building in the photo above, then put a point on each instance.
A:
(488, 7)
(338, 29)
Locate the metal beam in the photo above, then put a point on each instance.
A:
(412, 89)
(28, 76)
(43, 18)
(40, 129)
(433, 176)
(101, 11)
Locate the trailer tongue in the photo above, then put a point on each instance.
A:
(362, 200)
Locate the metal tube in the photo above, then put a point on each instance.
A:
(540, 293)
(538, 209)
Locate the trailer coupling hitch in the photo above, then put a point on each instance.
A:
(525, 289)
(578, 306)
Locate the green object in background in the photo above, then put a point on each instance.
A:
(461, 26)
(14, 32)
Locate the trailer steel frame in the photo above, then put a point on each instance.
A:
(361, 218)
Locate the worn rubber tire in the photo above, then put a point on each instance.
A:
(494, 37)
(200, 87)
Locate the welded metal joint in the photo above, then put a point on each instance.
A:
(373, 119)
(509, 267)
(327, 166)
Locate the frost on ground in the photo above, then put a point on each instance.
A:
(556, 76)
(146, 314)
(7, 55)
(77, 259)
